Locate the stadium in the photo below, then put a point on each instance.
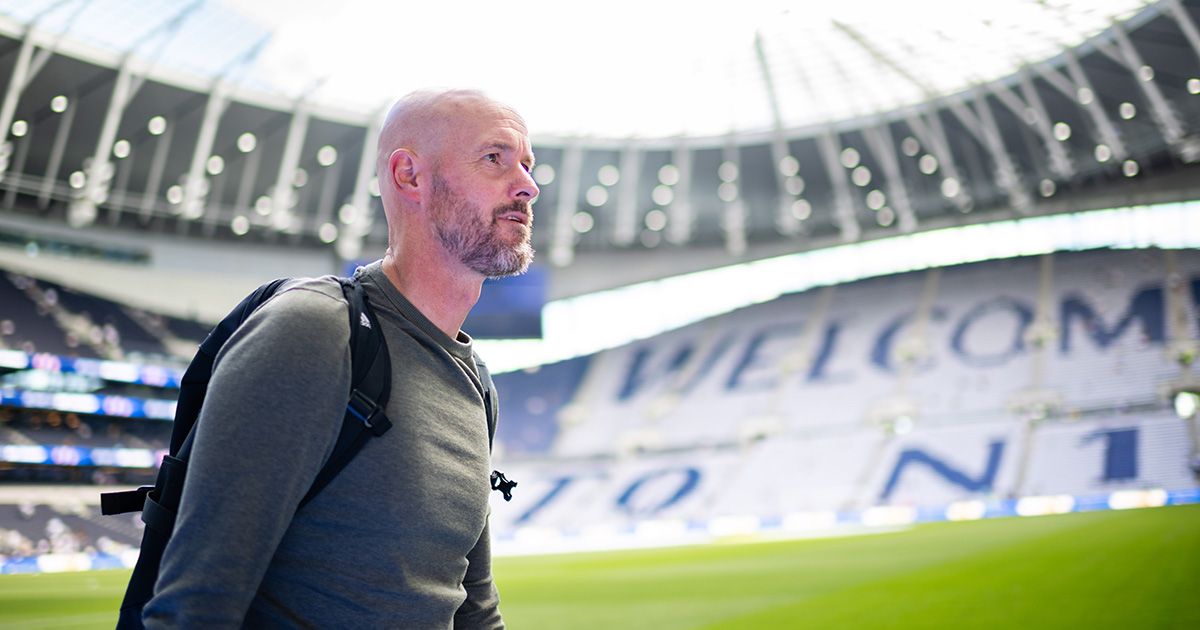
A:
(868, 315)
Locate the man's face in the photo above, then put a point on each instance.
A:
(488, 242)
(482, 192)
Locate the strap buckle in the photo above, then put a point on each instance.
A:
(368, 412)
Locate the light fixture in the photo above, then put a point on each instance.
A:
(850, 157)
(597, 196)
(608, 175)
(328, 233)
(789, 166)
(876, 199)
(246, 142)
(861, 176)
(1186, 404)
(668, 175)
(794, 185)
(326, 156)
(1047, 187)
(950, 187)
(662, 195)
(727, 191)
(656, 220)
(727, 171)
(543, 174)
(156, 125)
(583, 222)
(927, 164)
(801, 209)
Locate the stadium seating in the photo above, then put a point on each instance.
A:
(917, 391)
(28, 326)
(807, 403)
(42, 316)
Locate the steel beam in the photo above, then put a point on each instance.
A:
(562, 245)
(28, 66)
(17, 174)
(883, 147)
(283, 193)
(325, 199)
(830, 148)
(928, 129)
(350, 237)
(679, 225)
(65, 122)
(733, 217)
(1070, 87)
(1177, 11)
(983, 126)
(154, 181)
(83, 206)
(1030, 102)
(242, 202)
(785, 221)
(16, 85)
(1168, 122)
(194, 192)
(625, 225)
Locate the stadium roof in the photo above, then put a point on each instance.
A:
(671, 137)
(614, 69)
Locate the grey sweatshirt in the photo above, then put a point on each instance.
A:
(398, 539)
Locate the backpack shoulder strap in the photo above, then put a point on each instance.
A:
(194, 384)
(370, 387)
(192, 389)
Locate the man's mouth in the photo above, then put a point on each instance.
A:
(516, 216)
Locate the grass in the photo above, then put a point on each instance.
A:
(1134, 569)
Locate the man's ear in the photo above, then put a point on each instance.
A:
(402, 164)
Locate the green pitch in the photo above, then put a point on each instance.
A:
(1135, 569)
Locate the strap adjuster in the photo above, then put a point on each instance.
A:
(367, 412)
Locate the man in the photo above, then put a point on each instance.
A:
(399, 538)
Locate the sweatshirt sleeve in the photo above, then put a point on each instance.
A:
(272, 413)
(482, 606)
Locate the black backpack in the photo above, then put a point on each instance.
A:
(371, 375)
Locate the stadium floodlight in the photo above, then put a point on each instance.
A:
(1186, 404)
(156, 125)
(609, 175)
(246, 142)
(801, 209)
(543, 174)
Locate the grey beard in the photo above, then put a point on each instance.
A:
(469, 239)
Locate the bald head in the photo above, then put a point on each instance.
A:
(424, 121)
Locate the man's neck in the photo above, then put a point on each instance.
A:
(443, 293)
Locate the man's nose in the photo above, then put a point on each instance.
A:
(525, 187)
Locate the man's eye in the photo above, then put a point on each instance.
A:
(492, 157)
